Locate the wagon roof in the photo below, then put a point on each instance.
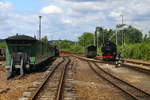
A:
(20, 37)
(91, 46)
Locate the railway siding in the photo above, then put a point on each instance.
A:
(143, 69)
(35, 85)
(55, 87)
(79, 83)
(139, 95)
(128, 88)
(90, 87)
(139, 62)
(69, 91)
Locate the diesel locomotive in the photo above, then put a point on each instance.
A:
(24, 53)
(109, 51)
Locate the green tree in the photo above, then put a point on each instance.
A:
(131, 35)
(2, 44)
(65, 44)
(103, 34)
(86, 39)
(45, 39)
(147, 37)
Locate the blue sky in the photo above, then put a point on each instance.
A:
(68, 19)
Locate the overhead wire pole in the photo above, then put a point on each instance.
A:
(122, 18)
(116, 36)
(40, 17)
(122, 37)
(97, 32)
(103, 37)
(95, 37)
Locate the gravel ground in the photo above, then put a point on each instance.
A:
(12, 89)
(136, 78)
(90, 87)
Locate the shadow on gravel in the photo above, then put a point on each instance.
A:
(42, 66)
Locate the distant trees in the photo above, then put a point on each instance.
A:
(86, 39)
(103, 34)
(70, 46)
(131, 35)
(138, 51)
(45, 39)
(2, 44)
(65, 44)
(147, 37)
(136, 45)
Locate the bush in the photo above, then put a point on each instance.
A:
(2, 44)
(77, 49)
(137, 51)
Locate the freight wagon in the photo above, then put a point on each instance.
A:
(24, 53)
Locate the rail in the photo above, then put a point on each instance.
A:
(108, 77)
(36, 92)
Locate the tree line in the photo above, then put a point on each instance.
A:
(135, 44)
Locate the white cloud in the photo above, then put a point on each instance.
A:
(51, 9)
(88, 6)
(115, 14)
(75, 16)
(5, 6)
(66, 21)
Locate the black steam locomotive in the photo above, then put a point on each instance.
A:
(109, 51)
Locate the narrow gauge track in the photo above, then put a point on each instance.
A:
(139, 69)
(132, 91)
(36, 94)
(141, 63)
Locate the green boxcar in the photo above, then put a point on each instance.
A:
(24, 52)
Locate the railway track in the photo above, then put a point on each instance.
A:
(136, 68)
(139, 63)
(134, 65)
(130, 90)
(52, 86)
(145, 70)
(57, 75)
